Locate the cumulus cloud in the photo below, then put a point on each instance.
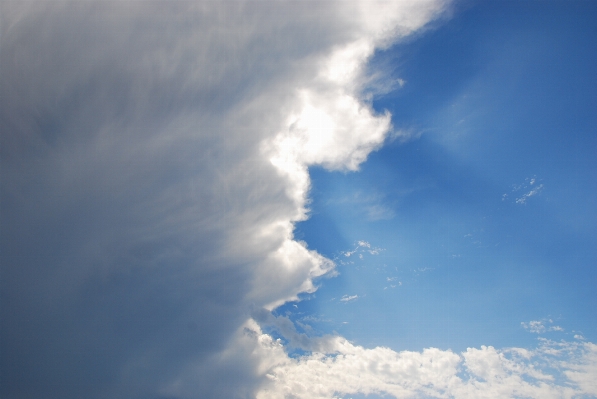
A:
(552, 370)
(154, 161)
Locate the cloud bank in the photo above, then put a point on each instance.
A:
(552, 370)
(154, 160)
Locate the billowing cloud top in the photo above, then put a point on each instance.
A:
(154, 160)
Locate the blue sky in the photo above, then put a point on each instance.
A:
(503, 98)
(298, 200)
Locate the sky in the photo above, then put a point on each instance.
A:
(287, 199)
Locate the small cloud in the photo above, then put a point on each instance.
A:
(404, 135)
(538, 326)
(534, 326)
(362, 247)
(578, 336)
(535, 191)
(347, 298)
(530, 187)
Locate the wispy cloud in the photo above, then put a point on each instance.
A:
(532, 192)
(362, 247)
(349, 298)
(373, 205)
(530, 188)
(539, 326)
(379, 212)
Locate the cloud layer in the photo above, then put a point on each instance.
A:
(338, 368)
(154, 160)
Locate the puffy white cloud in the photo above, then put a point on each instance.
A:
(154, 159)
(487, 372)
(584, 369)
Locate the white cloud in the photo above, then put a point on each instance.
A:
(476, 373)
(349, 298)
(534, 326)
(154, 162)
(538, 326)
(362, 247)
(530, 185)
(584, 369)
(531, 193)
(393, 279)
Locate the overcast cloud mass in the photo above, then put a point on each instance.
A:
(154, 161)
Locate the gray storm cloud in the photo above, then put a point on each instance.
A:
(154, 160)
